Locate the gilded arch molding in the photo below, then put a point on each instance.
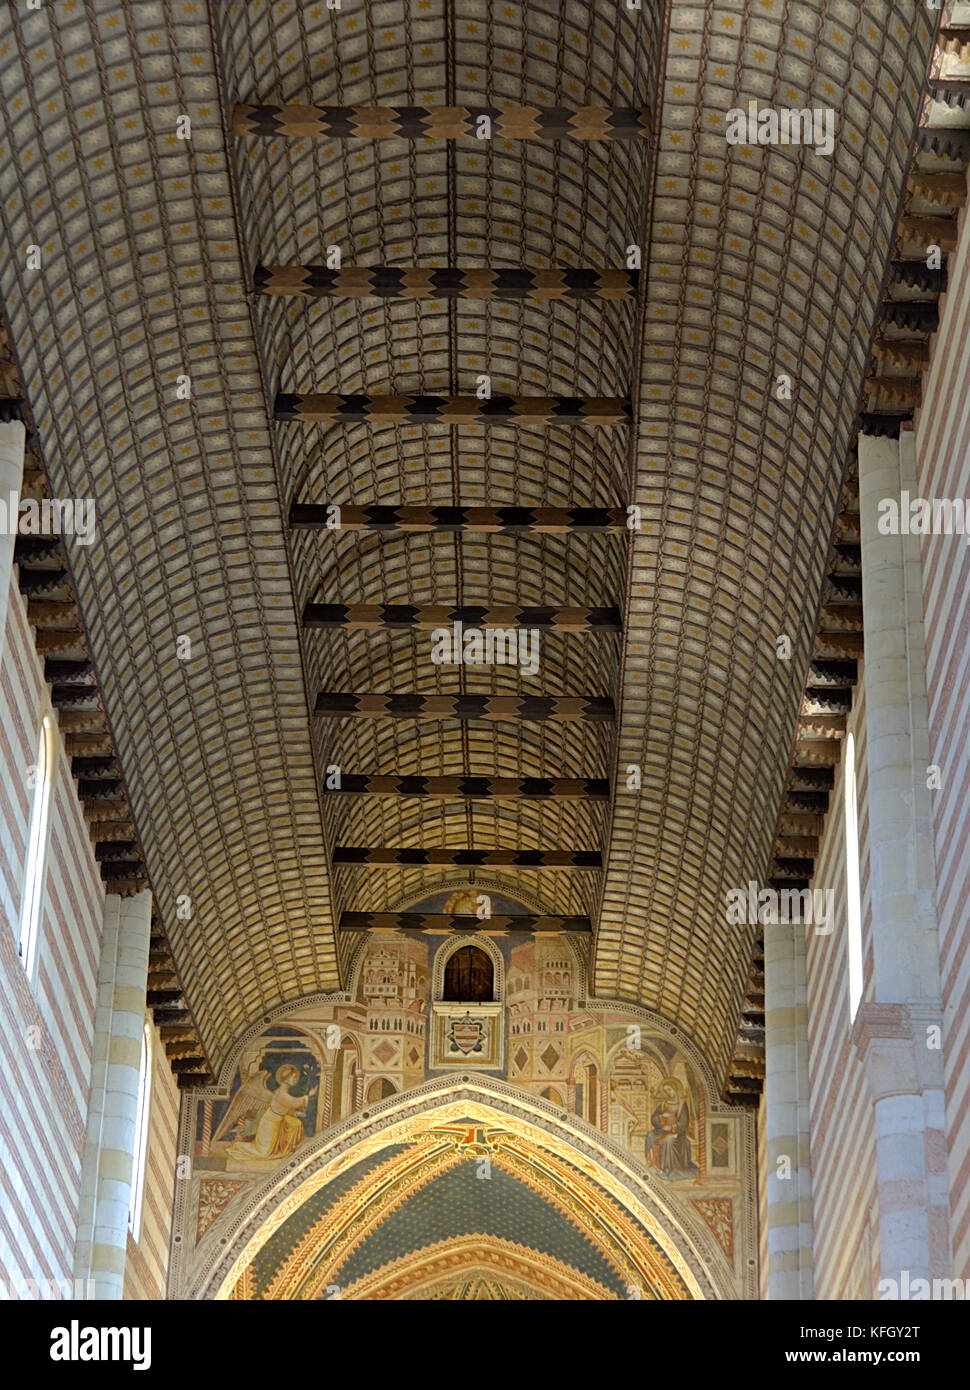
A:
(686, 1241)
(446, 1270)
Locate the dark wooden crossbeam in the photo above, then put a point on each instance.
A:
(453, 410)
(412, 282)
(792, 868)
(373, 617)
(73, 696)
(119, 850)
(442, 122)
(477, 788)
(801, 803)
(907, 354)
(101, 766)
(107, 809)
(104, 830)
(51, 613)
(817, 752)
(818, 700)
(801, 822)
(843, 589)
(391, 857)
(789, 846)
(540, 521)
(127, 884)
(527, 708)
(106, 788)
(440, 923)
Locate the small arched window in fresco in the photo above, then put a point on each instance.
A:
(380, 1089)
(587, 1093)
(469, 976)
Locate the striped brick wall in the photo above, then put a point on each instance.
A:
(47, 1025)
(943, 470)
(146, 1270)
(762, 1202)
(842, 1133)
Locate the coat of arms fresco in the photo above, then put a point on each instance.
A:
(466, 1034)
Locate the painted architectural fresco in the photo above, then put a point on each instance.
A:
(521, 1014)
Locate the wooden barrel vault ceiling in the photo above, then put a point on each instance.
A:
(355, 385)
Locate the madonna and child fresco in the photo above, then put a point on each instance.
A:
(668, 1145)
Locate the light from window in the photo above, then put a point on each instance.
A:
(852, 880)
(140, 1153)
(33, 897)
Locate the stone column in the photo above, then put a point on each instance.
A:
(106, 1173)
(12, 438)
(898, 1031)
(789, 1178)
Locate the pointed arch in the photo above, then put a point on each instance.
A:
(691, 1265)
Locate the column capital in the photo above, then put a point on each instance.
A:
(893, 1042)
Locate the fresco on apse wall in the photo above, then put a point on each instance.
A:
(511, 1007)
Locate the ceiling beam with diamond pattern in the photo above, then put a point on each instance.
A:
(418, 409)
(558, 708)
(440, 122)
(374, 617)
(389, 857)
(439, 923)
(538, 521)
(394, 282)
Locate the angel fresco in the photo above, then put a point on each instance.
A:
(668, 1143)
(243, 1104)
(277, 1112)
